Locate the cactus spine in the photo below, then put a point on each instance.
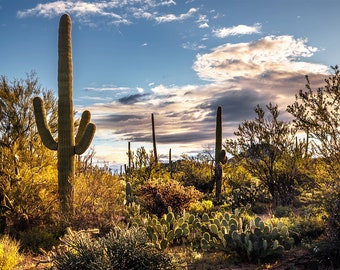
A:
(67, 145)
(220, 155)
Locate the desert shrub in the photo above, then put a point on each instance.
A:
(35, 198)
(119, 249)
(195, 171)
(283, 211)
(79, 250)
(157, 195)
(99, 197)
(40, 237)
(200, 207)
(241, 188)
(9, 253)
(332, 205)
(131, 249)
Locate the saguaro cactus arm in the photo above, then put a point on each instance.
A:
(84, 121)
(44, 131)
(86, 139)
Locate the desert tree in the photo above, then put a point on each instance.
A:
(266, 146)
(317, 113)
(22, 155)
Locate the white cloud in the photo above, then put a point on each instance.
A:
(116, 12)
(279, 54)
(173, 17)
(79, 8)
(203, 21)
(139, 89)
(193, 46)
(237, 30)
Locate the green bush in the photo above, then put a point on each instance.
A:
(119, 249)
(283, 211)
(37, 238)
(195, 171)
(9, 253)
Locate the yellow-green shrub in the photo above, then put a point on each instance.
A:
(99, 198)
(9, 253)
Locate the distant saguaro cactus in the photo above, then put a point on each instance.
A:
(220, 155)
(67, 145)
(154, 138)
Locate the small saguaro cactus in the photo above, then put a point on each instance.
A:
(220, 155)
(67, 144)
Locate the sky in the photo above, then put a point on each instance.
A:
(179, 60)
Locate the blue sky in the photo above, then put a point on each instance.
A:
(177, 59)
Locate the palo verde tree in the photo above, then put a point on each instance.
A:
(267, 145)
(67, 145)
(317, 112)
(21, 152)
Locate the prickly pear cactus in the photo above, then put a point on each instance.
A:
(67, 144)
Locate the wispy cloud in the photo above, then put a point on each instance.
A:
(193, 46)
(173, 17)
(78, 8)
(115, 12)
(237, 30)
(203, 21)
(101, 89)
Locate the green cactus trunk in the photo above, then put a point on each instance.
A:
(219, 154)
(154, 139)
(68, 145)
(66, 141)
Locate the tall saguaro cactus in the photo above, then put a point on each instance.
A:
(220, 155)
(67, 144)
(154, 138)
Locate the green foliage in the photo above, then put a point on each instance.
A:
(268, 147)
(142, 166)
(157, 195)
(195, 171)
(37, 238)
(27, 174)
(317, 112)
(241, 188)
(99, 199)
(9, 253)
(119, 249)
(283, 211)
(200, 207)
